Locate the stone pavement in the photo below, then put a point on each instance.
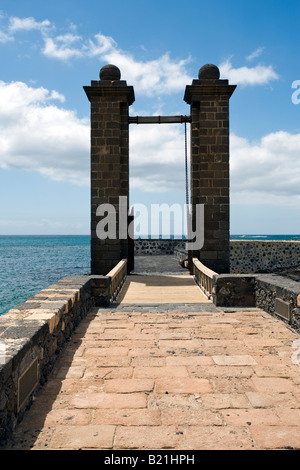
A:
(180, 377)
(169, 375)
(161, 289)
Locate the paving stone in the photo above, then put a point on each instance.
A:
(63, 417)
(128, 385)
(127, 417)
(234, 360)
(109, 361)
(276, 437)
(249, 417)
(83, 437)
(175, 402)
(70, 372)
(149, 437)
(273, 384)
(231, 385)
(108, 372)
(174, 382)
(152, 361)
(288, 416)
(109, 400)
(272, 400)
(106, 352)
(224, 400)
(277, 371)
(221, 371)
(219, 438)
(183, 385)
(191, 417)
(180, 371)
(189, 361)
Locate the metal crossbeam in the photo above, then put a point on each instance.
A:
(159, 119)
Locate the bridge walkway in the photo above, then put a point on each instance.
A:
(164, 375)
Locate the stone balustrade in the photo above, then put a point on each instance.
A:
(33, 334)
(204, 277)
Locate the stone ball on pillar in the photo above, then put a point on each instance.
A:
(110, 72)
(209, 72)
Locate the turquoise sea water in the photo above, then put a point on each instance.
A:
(31, 263)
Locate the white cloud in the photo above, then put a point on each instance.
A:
(36, 135)
(157, 158)
(162, 75)
(27, 24)
(57, 96)
(258, 52)
(101, 45)
(15, 24)
(62, 47)
(267, 171)
(258, 75)
(262, 172)
(4, 37)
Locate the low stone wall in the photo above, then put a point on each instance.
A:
(157, 246)
(279, 296)
(204, 277)
(234, 290)
(263, 256)
(246, 256)
(117, 277)
(33, 334)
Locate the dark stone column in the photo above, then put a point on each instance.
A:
(209, 100)
(110, 99)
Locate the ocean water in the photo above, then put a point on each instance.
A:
(266, 237)
(31, 263)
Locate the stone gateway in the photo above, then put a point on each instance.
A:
(208, 97)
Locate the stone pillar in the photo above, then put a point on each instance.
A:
(209, 101)
(110, 99)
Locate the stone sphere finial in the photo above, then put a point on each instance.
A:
(209, 72)
(110, 72)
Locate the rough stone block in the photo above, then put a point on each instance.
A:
(234, 290)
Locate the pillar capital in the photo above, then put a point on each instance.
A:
(208, 84)
(110, 85)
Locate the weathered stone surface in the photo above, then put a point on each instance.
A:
(110, 99)
(157, 398)
(209, 101)
(37, 330)
(235, 290)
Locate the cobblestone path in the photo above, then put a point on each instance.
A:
(170, 376)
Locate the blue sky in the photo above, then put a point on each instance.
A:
(50, 50)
